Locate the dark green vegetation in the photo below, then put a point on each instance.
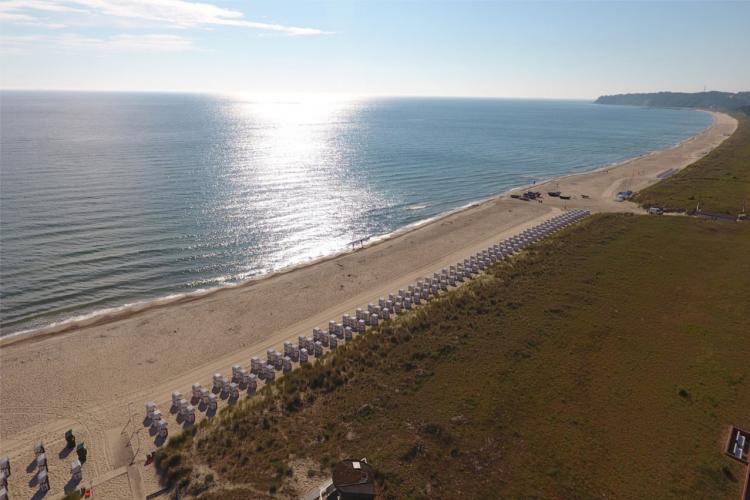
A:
(720, 181)
(727, 101)
(606, 362)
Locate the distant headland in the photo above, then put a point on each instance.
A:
(727, 101)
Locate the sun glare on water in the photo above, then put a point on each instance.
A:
(292, 161)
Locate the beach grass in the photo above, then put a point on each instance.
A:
(605, 362)
(720, 181)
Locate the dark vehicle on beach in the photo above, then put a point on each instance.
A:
(554, 193)
(564, 196)
(623, 195)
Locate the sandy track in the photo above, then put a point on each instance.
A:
(85, 378)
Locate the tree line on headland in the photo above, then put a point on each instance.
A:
(726, 101)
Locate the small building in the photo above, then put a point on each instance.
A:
(353, 480)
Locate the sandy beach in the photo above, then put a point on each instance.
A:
(93, 377)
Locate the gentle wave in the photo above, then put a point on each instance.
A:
(112, 201)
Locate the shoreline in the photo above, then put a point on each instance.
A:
(128, 310)
(95, 379)
(118, 313)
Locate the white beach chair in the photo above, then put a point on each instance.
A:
(42, 479)
(75, 470)
(295, 352)
(41, 461)
(196, 390)
(234, 390)
(150, 409)
(176, 397)
(156, 418)
(278, 360)
(255, 364)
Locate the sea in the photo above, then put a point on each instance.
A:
(113, 199)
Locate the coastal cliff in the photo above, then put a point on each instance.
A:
(706, 100)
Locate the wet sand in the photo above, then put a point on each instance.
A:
(87, 376)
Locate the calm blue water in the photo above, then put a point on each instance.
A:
(108, 199)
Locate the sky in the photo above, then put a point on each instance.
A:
(561, 49)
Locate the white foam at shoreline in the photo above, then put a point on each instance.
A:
(125, 310)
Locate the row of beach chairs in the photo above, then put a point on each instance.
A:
(247, 379)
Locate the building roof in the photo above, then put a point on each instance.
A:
(354, 479)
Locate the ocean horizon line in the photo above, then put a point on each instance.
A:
(331, 96)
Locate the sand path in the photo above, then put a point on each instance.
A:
(86, 378)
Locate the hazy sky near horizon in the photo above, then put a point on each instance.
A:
(561, 49)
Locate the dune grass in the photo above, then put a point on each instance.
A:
(720, 181)
(606, 362)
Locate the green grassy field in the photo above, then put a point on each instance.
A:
(720, 181)
(606, 362)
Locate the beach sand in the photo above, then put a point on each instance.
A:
(93, 377)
